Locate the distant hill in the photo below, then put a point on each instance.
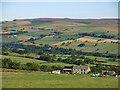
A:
(109, 21)
(66, 19)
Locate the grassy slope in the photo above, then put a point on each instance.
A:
(8, 40)
(93, 57)
(39, 23)
(102, 58)
(89, 47)
(58, 81)
(20, 58)
(24, 60)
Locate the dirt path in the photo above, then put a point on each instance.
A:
(17, 74)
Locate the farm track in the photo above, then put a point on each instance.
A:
(17, 74)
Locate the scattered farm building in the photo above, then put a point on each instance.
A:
(96, 75)
(108, 72)
(67, 70)
(56, 72)
(77, 69)
(13, 36)
(21, 49)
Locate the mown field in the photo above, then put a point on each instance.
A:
(58, 81)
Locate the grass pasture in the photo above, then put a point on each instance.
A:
(23, 37)
(39, 23)
(46, 40)
(89, 47)
(55, 33)
(5, 39)
(23, 60)
(58, 81)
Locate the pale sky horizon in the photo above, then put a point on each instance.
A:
(81, 10)
(59, 0)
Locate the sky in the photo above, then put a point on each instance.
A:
(60, 0)
(82, 10)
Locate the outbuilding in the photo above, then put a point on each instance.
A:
(56, 72)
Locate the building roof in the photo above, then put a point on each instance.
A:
(56, 71)
(80, 67)
(20, 49)
(67, 69)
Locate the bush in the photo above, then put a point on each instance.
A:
(43, 68)
(81, 45)
(5, 53)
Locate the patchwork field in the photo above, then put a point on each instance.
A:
(47, 44)
(56, 32)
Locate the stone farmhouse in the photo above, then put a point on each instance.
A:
(77, 69)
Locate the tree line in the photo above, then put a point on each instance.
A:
(55, 50)
(9, 64)
(95, 35)
(99, 67)
(15, 33)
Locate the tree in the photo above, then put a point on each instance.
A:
(63, 44)
(106, 52)
(59, 59)
(78, 62)
(43, 68)
(14, 50)
(40, 53)
(81, 45)
(54, 67)
(93, 69)
(82, 57)
(5, 53)
(95, 59)
(21, 51)
(112, 59)
(87, 60)
(95, 44)
(59, 68)
(99, 67)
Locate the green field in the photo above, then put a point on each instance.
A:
(89, 47)
(68, 30)
(99, 37)
(19, 58)
(23, 60)
(39, 23)
(5, 39)
(58, 81)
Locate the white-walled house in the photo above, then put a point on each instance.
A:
(56, 72)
